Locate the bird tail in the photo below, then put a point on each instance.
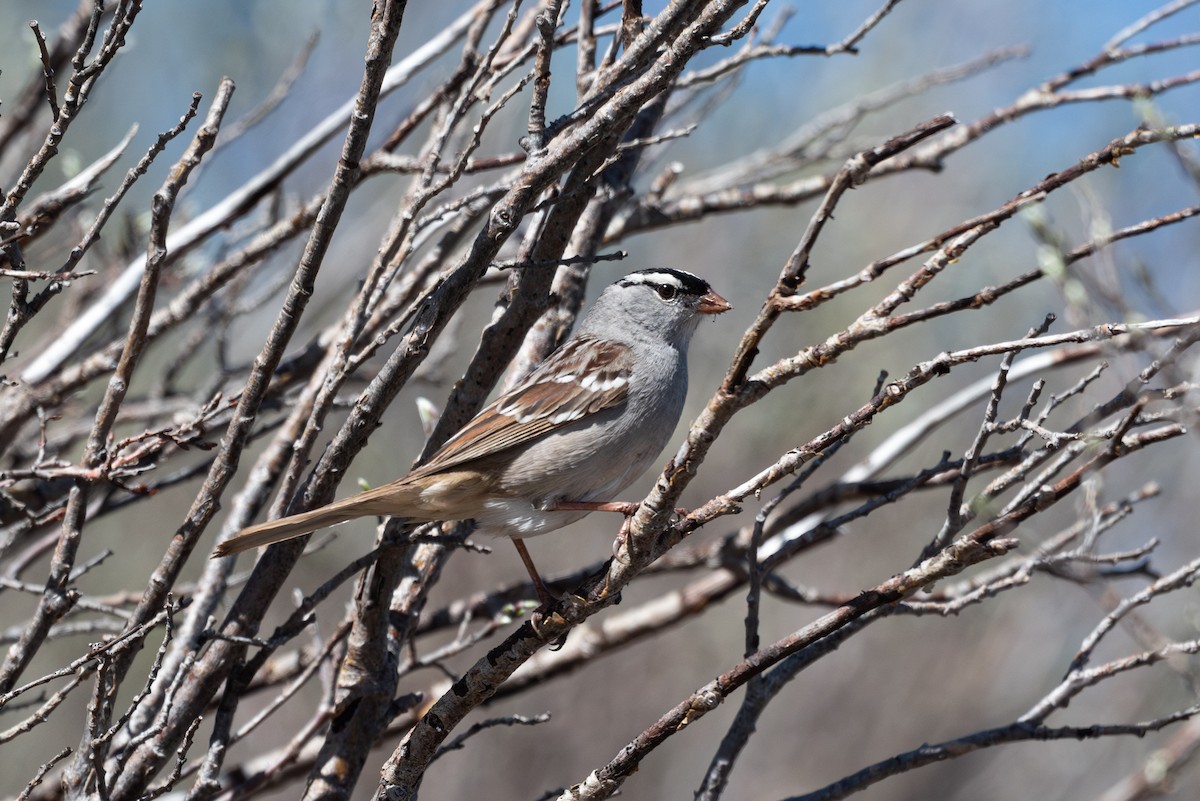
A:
(385, 500)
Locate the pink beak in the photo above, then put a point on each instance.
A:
(712, 303)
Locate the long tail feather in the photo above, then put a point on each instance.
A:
(386, 500)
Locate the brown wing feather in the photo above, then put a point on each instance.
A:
(583, 377)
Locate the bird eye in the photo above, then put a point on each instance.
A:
(666, 291)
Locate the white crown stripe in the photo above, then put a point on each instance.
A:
(655, 278)
(678, 279)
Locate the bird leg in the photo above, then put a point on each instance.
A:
(627, 508)
(545, 595)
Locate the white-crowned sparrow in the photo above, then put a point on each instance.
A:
(575, 433)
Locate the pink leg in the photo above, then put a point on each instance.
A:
(545, 596)
(620, 507)
(627, 508)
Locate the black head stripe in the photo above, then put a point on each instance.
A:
(684, 281)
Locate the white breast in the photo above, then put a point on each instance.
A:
(516, 517)
(595, 459)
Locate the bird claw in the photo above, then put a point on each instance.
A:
(622, 539)
(536, 619)
(621, 542)
(561, 613)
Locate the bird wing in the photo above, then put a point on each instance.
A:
(584, 376)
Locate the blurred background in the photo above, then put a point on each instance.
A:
(896, 685)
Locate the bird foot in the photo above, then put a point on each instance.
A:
(621, 541)
(559, 613)
(626, 508)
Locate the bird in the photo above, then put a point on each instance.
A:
(564, 441)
